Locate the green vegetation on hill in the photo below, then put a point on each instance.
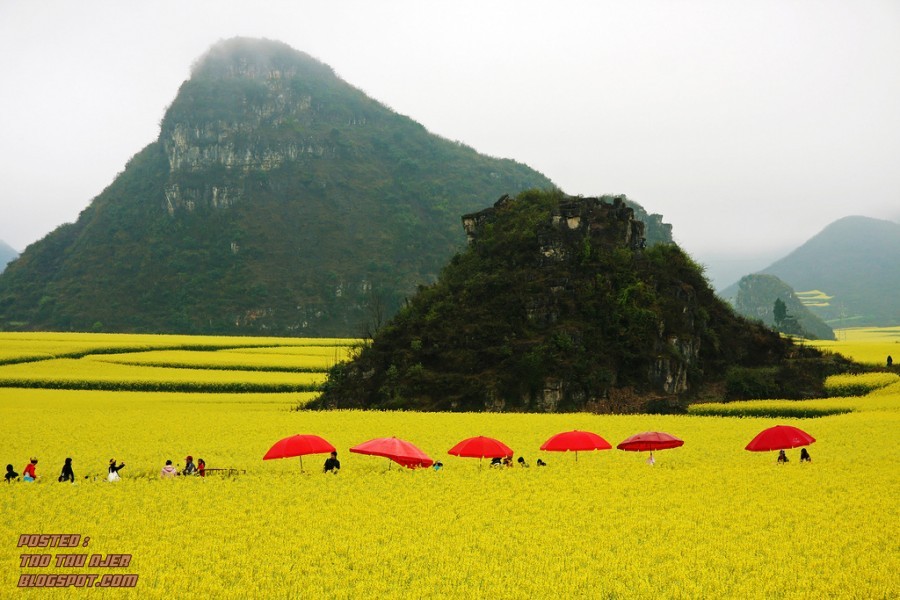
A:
(278, 199)
(554, 306)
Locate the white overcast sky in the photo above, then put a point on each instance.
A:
(749, 125)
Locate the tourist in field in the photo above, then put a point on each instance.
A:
(782, 457)
(522, 462)
(651, 461)
(201, 467)
(67, 474)
(30, 472)
(437, 466)
(332, 464)
(189, 467)
(890, 361)
(114, 470)
(10, 474)
(168, 471)
(496, 462)
(804, 456)
(541, 463)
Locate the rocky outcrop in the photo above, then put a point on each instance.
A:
(557, 304)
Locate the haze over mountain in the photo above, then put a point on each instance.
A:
(855, 264)
(757, 297)
(7, 253)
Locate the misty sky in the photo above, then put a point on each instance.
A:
(749, 125)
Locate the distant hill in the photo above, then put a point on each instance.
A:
(557, 305)
(848, 274)
(7, 253)
(278, 199)
(756, 298)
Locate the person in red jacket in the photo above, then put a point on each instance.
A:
(29, 473)
(201, 467)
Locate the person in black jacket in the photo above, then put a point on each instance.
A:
(10, 474)
(67, 474)
(332, 464)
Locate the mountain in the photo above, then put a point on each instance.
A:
(557, 304)
(277, 199)
(757, 297)
(7, 253)
(850, 270)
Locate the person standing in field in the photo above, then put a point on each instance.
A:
(29, 473)
(168, 471)
(114, 470)
(332, 464)
(10, 474)
(67, 474)
(890, 361)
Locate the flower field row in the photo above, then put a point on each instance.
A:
(85, 373)
(858, 385)
(15, 347)
(243, 361)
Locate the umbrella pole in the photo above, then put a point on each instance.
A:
(301, 464)
(576, 456)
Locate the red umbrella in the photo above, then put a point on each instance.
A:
(399, 451)
(481, 447)
(575, 441)
(299, 445)
(650, 440)
(780, 437)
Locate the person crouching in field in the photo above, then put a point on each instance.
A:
(114, 470)
(10, 474)
(67, 474)
(332, 464)
(168, 471)
(782, 457)
(804, 456)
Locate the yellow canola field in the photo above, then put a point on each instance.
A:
(870, 345)
(53, 344)
(316, 361)
(93, 373)
(709, 520)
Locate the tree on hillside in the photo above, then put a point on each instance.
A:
(779, 312)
